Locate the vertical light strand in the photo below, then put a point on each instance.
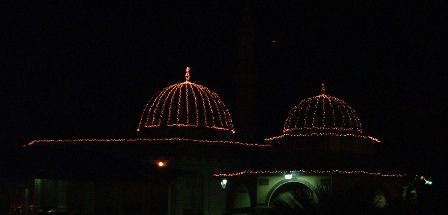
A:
(156, 107)
(344, 106)
(145, 111)
(341, 111)
(288, 119)
(153, 109)
(186, 102)
(222, 110)
(179, 103)
(170, 108)
(332, 112)
(356, 119)
(209, 105)
(306, 112)
(297, 109)
(315, 110)
(201, 94)
(213, 99)
(323, 109)
(195, 104)
(229, 120)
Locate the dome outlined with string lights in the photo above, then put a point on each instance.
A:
(186, 105)
(322, 114)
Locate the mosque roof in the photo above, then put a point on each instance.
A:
(186, 105)
(322, 115)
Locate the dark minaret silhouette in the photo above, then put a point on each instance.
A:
(245, 111)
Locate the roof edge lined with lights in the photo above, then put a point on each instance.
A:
(344, 172)
(321, 134)
(144, 140)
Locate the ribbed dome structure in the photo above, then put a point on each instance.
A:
(186, 105)
(322, 114)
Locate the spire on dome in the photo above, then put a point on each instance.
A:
(187, 74)
(322, 90)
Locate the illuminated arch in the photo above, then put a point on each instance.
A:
(300, 192)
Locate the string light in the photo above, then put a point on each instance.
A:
(427, 182)
(322, 112)
(171, 107)
(143, 140)
(322, 134)
(323, 105)
(345, 172)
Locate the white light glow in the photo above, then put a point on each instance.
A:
(224, 183)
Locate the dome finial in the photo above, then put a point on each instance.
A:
(322, 90)
(187, 74)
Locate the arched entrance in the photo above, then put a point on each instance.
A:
(293, 198)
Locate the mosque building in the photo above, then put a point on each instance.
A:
(186, 160)
(189, 158)
(321, 158)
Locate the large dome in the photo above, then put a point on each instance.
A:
(186, 105)
(322, 114)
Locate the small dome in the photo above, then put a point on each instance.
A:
(322, 114)
(186, 105)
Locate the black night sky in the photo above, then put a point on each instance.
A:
(75, 69)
